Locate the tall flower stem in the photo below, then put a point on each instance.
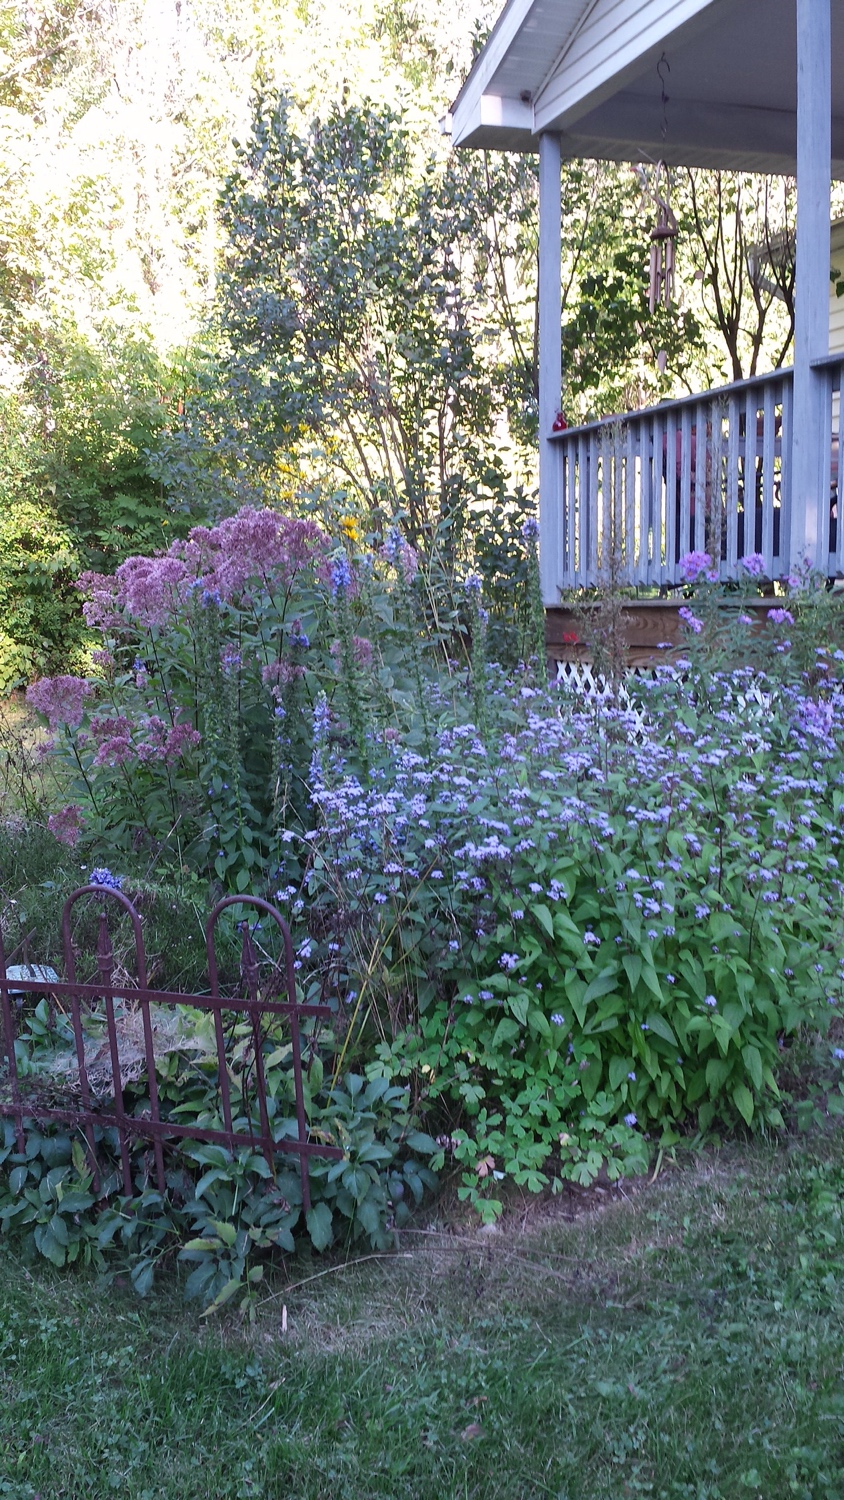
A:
(340, 580)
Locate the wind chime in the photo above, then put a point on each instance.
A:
(663, 242)
(664, 232)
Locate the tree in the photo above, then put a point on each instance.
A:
(743, 232)
(344, 312)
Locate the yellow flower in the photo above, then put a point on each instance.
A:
(350, 528)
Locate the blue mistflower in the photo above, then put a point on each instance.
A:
(104, 877)
(341, 573)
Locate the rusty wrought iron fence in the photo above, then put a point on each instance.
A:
(105, 1107)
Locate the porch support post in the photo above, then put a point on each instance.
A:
(550, 367)
(809, 536)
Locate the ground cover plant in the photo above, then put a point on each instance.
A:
(682, 1341)
(555, 937)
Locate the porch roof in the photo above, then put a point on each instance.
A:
(589, 71)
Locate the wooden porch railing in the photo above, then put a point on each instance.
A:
(708, 473)
(830, 372)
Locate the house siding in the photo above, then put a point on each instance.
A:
(836, 304)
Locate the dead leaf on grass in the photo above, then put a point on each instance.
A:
(474, 1430)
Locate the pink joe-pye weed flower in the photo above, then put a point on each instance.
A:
(151, 589)
(60, 699)
(181, 738)
(66, 824)
(253, 547)
(144, 591)
(361, 650)
(101, 609)
(281, 673)
(112, 734)
(151, 739)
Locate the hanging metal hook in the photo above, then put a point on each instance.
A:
(663, 64)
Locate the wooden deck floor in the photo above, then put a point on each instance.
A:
(652, 628)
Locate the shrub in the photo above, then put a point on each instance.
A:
(42, 630)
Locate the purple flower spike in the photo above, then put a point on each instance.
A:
(341, 574)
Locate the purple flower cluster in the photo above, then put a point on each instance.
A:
(692, 620)
(66, 825)
(119, 739)
(695, 566)
(254, 550)
(60, 699)
(399, 553)
(361, 650)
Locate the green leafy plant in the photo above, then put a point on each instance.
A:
(605, 925)
(223, 1214)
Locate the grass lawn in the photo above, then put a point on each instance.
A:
(683, 1339)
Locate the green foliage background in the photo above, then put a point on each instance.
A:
(338, 312)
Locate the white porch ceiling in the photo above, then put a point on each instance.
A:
(587, 70)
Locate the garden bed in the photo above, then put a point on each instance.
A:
(556, 935)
